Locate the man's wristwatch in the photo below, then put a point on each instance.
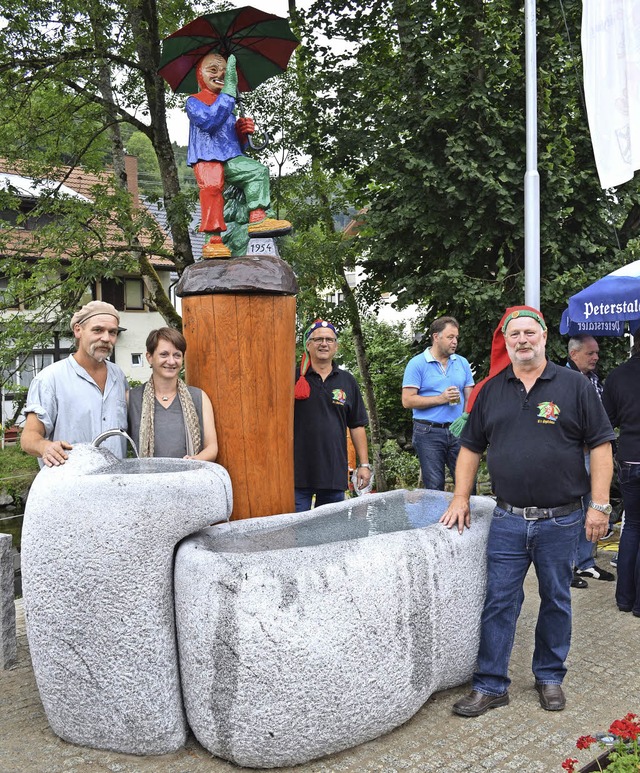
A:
(368, 466)
(606, 509)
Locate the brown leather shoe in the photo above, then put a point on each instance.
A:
(477, 703)
(551, 696)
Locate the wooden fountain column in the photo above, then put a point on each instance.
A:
(239, 321)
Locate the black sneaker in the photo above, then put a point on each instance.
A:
(596, 573)
(608, 535)
(578, 582)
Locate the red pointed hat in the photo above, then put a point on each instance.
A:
(499, 356)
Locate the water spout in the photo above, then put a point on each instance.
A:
(104, 435)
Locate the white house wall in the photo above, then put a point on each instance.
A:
(131, 341)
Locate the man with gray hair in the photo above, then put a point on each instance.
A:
(584, 353)
(76, 399)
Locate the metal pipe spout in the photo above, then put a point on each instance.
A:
(109, 433)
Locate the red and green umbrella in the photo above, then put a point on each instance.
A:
(262, 44)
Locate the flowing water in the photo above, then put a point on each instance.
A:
(355, 520)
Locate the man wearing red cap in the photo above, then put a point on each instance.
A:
(534, 418)
(76, 399)
(328, 401)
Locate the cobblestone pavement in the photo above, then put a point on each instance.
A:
(603, 684)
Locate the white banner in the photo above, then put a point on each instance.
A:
(611, 66)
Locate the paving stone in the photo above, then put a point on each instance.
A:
(518, 737)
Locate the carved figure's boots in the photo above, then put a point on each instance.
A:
(261, 225)
(215, 248)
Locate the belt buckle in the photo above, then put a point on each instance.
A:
(531, 513)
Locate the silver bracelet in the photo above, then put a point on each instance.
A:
(368, 466)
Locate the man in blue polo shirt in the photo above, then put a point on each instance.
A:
(436, 385)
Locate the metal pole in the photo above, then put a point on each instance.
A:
(531, 178)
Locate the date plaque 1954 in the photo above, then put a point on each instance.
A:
(262, 247)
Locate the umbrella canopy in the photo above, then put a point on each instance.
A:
(262, 44)
(603, 308)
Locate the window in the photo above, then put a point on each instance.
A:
(136, 360)
(124, 294)
(31, 366)
(133, 294)
(6, 301)
(30, 218)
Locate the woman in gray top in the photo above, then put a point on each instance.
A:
(166, 417)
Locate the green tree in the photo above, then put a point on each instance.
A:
(389, 349)
(341, 251)
(424, 107)
(100, 61)
(139, 145)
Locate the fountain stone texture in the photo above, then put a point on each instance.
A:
(304, 634)
(98, 544)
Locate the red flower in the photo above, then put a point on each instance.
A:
(570, 764)
(626, 728)
(585, 741)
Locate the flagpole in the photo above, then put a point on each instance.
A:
(531, 178)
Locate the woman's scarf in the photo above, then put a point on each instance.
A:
(191, 423)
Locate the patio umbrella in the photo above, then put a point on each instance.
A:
(603, 308)
(262, 44)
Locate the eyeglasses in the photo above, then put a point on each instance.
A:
(327, 341)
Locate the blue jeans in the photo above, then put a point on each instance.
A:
(324, 496)
(628, 584)
(586, 550)
(514, 544)
(435, 447)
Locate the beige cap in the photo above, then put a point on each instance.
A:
(92, 309)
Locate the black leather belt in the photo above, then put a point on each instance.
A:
(540, 513)
(435, 424)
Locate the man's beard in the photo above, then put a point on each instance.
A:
(100, 352)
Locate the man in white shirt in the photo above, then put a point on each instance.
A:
(76, 399)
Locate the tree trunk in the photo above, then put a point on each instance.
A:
(144, 23)
(313, 150)
(365, 373)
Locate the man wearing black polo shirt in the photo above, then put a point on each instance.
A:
(535, 418)
(328, 401)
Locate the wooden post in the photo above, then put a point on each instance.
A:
(241, 352)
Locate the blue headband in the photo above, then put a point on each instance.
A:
(315, 325)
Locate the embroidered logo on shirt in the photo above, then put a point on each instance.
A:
(339, 396)
(548, 412)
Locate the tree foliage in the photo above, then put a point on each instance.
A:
(424, 107)
(389, 349)
(72, 73)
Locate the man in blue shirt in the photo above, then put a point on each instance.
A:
(436, 386)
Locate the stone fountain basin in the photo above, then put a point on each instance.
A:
(304, 634)
(98, 542)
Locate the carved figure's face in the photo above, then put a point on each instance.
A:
(211, 71)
